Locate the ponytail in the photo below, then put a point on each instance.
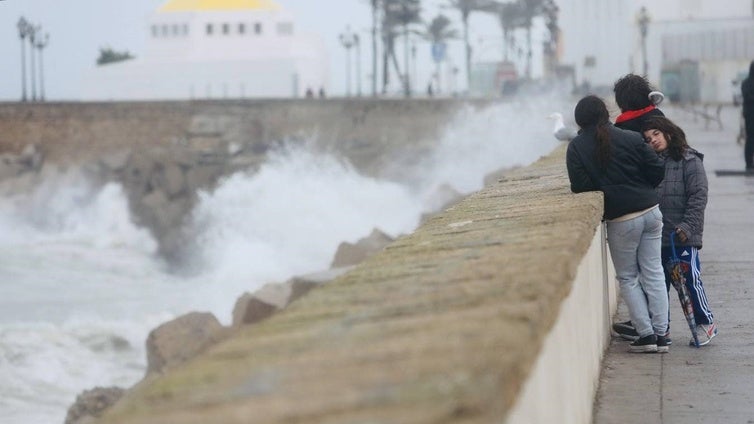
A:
(591, 111)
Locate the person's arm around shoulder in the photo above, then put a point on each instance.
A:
(577, 174)
(695, 184)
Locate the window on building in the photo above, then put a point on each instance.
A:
(242, 29)
(176, 30)
(155, 31)
(209, 29)
(285, 28)
(226, 29)
(165, 30)
(185, 29)
(257, 28)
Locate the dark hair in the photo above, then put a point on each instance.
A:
(632, 92)
(591, 112)
(674, 135)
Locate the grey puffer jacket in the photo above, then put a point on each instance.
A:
(683, 197)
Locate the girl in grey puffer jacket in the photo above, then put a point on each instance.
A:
(683, 199)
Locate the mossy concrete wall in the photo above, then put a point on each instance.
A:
(448, 324)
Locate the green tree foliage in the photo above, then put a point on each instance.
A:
(108, 55)
(398, 17)
(439, 30)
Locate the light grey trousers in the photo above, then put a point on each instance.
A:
(635, 248)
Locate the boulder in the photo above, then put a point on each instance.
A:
(115, 161)
(251, 308)
(9, 166)
(442, 197)
(31, 157)
(90, 404)
(137, 174)
(352, 254)
(169, 179)
(181, 339)
(300, 285)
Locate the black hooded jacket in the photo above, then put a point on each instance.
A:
(631, 176)
(747, 91)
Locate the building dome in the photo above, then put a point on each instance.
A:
(217, 5)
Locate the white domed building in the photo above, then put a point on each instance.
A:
(199, 49)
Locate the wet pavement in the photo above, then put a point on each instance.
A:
(714, 383)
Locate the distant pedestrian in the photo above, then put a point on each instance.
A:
(632, 94)
(683, 200)
(321, 92)
(747, 90)
(309, 93)
(622, 166)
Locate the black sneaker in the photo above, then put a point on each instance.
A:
(646, 344)
(626, 330)
(663, 344)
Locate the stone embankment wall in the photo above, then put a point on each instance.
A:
(164, 152)
(495, 310)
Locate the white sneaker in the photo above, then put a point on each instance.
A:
(705, 333)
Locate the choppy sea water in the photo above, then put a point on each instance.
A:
(81, 286)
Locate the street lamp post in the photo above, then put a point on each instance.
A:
(40, 44)
(348, 39)
(358, 65)
(643, 21)
(23, 31)
(33, 29)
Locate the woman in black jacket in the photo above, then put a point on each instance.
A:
(622, 166)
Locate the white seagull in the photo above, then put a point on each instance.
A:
(560, 131)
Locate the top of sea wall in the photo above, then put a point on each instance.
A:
(444, 325)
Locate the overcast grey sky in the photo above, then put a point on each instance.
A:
(79, 28)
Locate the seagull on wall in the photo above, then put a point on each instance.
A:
(560, 131)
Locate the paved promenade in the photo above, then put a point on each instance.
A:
(715, 383)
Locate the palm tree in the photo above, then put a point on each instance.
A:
(466, 7)
(375, 18)
(438, 32)
(401, 13)
(519, 14)
(530, 9)
(509, 15)
(550, 11)
(389, 34)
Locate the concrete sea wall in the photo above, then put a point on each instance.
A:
(362, 130)
(495, 310)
